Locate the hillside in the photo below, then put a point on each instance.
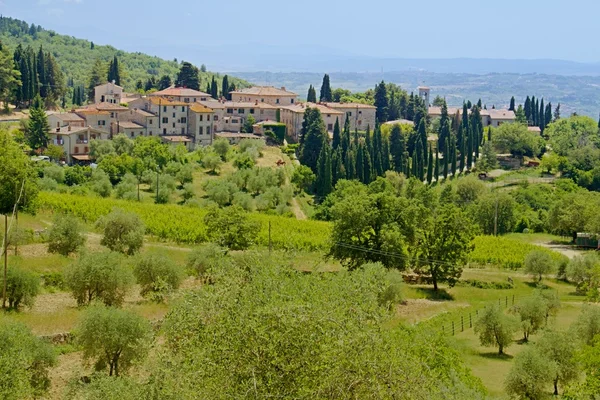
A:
(77, 56)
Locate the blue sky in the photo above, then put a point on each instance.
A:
(374, 28)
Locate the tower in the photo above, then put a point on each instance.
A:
(424, 94)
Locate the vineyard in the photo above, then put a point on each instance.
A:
(186, 225)
(504, 252)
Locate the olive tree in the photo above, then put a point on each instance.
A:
(530, 374)
(230, 227)
(22, 287)
(587, 325)
(99, 276)
(559, 348)
(206, 259)
(65, 235)
(113, 339)
(157, 275)
(24, 362)
(532, 314)
(212, 161)
(221, 147)
(495, 328)
(539, 263)
(123, 232)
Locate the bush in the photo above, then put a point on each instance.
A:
(114, 339)
(221, 148)
(392, 289)
(123, 232)
(185, 174)
(485, 285)
(24, 361)
(101, 183)
(246, 144)
(77, 175)
(207, 258)
(188, 192)
(230, 227)
(127, 188)
(245, 161)
(243, 200)
(21, 287)
(55, 172)
(99, 276)
(53, 280)
(48, 184)
(65, 235)
(220, 191)
(157, 275)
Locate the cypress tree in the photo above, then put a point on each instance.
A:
(537, 112)
(360, 166)
(469, 104)
(446, 157)
(338, 170)
(533, 120)
(469, 147)
(208, 88)
(337, 137)
(346, 139)
(37, 126)
(314, 137)
(381, 103)
(350, 165)
(414, 169)
(41, 73)
(385, 155)
(430, 166)
(436, 170)
(453, 151)
(367, 167)
(542, 116)
(312, 95)
(479, 103)
(548, 114)
(324, 172)
(214, 90)
(225, 88)
(511, 107)
(527, 108)
(397, 148)
(410, 108)
(378, 166)
(326, 94)
(369, 142)
(556, 115)
(423, 138)
(444, 129)
(355, 139)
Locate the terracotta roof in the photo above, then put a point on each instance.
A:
(180, 92)
(349, 105)
(301, 107)
(265, 91)
(241, 104)
(105, 107)
(129, 125)
(500, 114)
(176, 139)
(166, 102)
(76, 129)
(437, 111)
(67, 116)
(214, 104)
(267, 122)
(91, 111)
(82, 157)
(110, 83)
(200, 109)
(143, 113)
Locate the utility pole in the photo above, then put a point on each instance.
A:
(270, 245)
(496, 219)
(156, 200)
(5, 260)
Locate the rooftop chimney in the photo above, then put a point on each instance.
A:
(283, 88)
(69, 128)
(113, 81)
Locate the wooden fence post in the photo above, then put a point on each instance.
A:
(462, 324)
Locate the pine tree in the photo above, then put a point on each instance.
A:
(9, 76)
(512, 104)
(214, 90)
(527, 108)
(326, 94)
(312, 95)
(337, 136)
(189, 77)
(225, 87)
(397, 148)
(430, 166)
(37, 127)
(381, 103)
(164, 82)
(96, 78)
(557, 112)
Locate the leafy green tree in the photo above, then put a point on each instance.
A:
(37, 130)
(581, 271)
(530, 374)
(97, 77)
(55, 152)
(560, 349)
(212, 161)
(101, 184)
(207, 259)
(517, 140)
(326, 94)
(494, 328)
(249, 124)
(231, 227)
(532, 314)
(10, 76)
(303, 177)
(22, 287)
(123, 232)
(397, 148)
(157, 275)
(65, 236)
(25, 361)
(381, 102)
(313, 139)
(99, 276)
(221, 147)
(311, 97)
(445, 236)
(17, 176)
(113, 339)
(539, 263)
(164, 82)
(188, 76)
(571, 133)
(492, 205)
(488, 160)
(587, 326)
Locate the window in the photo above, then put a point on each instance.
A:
(101, 123)
(86, 149)
(173, 115)
(184, 120)
(241, 110)
(230, 111)
(173, 124)
(252, 111)
(93, 137)
(329, 127)
(164, 108)
(164, 131)
(215, 117)
(262, 100)
(76, 150)
(132, 134)
(165, 120)
(277, 101)
(360, 122)
(234, 121)
(149, 122)
(349, 113)
(360, 112)
(112, 114)
(187, 100)
(183, 131)
(262, 112)
(208, 130)
(150, 133)
(201, 117)
(182, 108)
(201, 131)
(292, 101)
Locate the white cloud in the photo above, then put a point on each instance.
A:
(56, 12)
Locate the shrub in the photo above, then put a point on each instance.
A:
(53, 280)
(230, 227)
(245, 161)
(21, 287)
(530, 374)
(243, 200)
(48, 184)
(188, 192)
(221, 148)
(113, 338)
(185, 174)
(65, 235)
(246, 144)
(55, 172)
(77, 175)
(24, 362)
(127, 188)
(207, 258)
(157, 275)
(220, 191)
(485, 285)
(101, 276)
(392, 290)
(123, 232)
(101, 183)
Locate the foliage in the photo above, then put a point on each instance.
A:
(494, 328)
(221, 147)
(17, 176)
(581, 271)
(587, 325)
(22, 287)
(207, 259)
(157, 275)
(589, 360)
(231, 227)
(123, 232)
(539, 263)
(568, 134)
(303, 177)
(24, 362)
(65, 236)
(517, 140)
(212, 161)
(294, 335)
(532, 314)
(560, 349)
(490, 205)
(529, 374)
(101, 184)
(114, 339)
(99, 276)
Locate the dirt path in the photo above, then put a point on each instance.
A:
(297, 210)
(569, 251)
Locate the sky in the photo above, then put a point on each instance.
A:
(188, 29)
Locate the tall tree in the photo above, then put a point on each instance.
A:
(225, 88)
(337, 136)
(430, 166)
(360, 166)
(446, 157)
(422, 138)
(527, 108)
(324, 182)
(10, 82)
(312, 94)
(164, 82)
(367, 166)
(188, 76)
(381, 103)
(97, 75)
(314, 138)
(557, 113)
(444, 129)
(346, 139)
(214, 90)
(114, 74)
(397, 148)
(542, 116)
(511, 107)
(378, 165)
(37, 126)
(436, 168)
(326, 94)
(337, 166)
